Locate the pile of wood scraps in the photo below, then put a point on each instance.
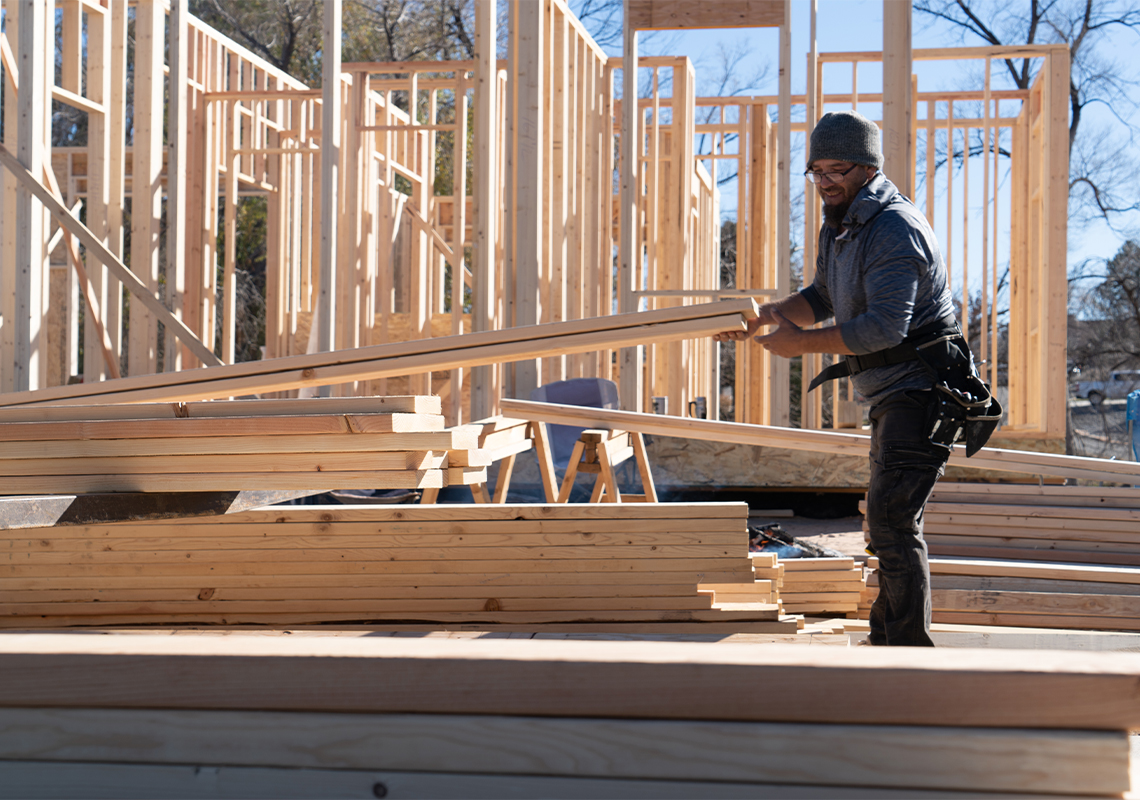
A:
(318, 715)
(628, 565)
(303, 444)
(404, 358)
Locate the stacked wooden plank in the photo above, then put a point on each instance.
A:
(1032, 594)
(314, 443)
(799, 585)
(821, 585)
(493, 564)
(404, 358)
(1082, 524)
(317, 716)
(498, 439)
(762, 588)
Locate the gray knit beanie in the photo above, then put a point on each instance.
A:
(846, 136)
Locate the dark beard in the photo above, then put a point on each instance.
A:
(833, 215)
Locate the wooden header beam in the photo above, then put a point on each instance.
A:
(691, 14)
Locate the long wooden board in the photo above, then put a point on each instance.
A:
(1049, 603)
(390, 554)
(356, 424)
(948, 535)
(224, 481)
(233, 462)
(864, 686)
(1028, 569)
(818, 441)
(521, 511)
(1036, 512)
(1071, 622)
(392, 360)
(403, 404)
(451, 439)
(716, 570)
(1016, 760)
(1035, 554)
(271, 538)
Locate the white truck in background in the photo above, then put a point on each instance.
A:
(1118, 385)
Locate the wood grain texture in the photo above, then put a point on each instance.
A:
(819, 441)
(972, 759)
(35, 780)
(687, 14)
(398, 358)
(902, 686)
(399, 563)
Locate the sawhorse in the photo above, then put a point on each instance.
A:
(598, 452)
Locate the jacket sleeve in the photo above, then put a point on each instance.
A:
(817, 294)
(895, 257)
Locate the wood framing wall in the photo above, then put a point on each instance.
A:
(531, 233)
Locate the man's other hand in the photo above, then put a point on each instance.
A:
(787, 340)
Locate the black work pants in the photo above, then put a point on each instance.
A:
(904, 468)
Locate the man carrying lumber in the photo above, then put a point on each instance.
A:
(880, 274)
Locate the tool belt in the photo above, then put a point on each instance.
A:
(966, 406)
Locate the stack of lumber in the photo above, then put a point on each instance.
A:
(1033, 594)
(799, 585)
(1084, 524)
(404, 358)
(319, 716)
(630, 565)
(763, 588)
(1081, 524)
(314, 443)
(497, 439)
(821, 585)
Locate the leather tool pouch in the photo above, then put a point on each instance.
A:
(967, 408)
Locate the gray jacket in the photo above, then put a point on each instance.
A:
(881, 278)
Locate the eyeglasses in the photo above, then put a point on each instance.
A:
(834, 177)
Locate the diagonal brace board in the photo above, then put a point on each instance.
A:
(849, 444)
(109, 259)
